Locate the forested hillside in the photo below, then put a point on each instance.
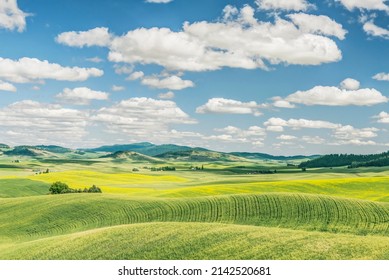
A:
(350, 160)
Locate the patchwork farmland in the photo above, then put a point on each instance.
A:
(206, 205)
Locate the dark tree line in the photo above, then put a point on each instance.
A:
(350, 160)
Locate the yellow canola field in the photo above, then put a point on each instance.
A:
(116, 182)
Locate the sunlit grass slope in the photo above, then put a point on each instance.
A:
(191, 184)
(371, 188)
(22, 187)
(200, 241)
(44, 216)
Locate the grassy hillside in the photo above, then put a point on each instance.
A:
(145, 148)
(53, 215)
(22, 187)
(194, 184)
(200, 241)
(133, 156)
(213, 206)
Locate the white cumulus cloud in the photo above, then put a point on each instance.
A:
(278, 124)
(81, 95)
(381, 76)
(98, 36)
(373, 30)
(348, 94)
(289, 5)
(365, 4)
(239, 40)
(7, 86)
(11, 17)
(322, 25)
(42, 123)
(142, 118)
(350, 84)
(27, 70)
(172, 82)
(230, 106)
(382, 117)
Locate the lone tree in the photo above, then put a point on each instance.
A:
(59, 187)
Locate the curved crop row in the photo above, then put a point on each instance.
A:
(200, 241)
(33, 217)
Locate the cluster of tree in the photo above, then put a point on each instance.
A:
(164, 168)
(61, 188)
(378, 163)
(349, 160)
(196, 167)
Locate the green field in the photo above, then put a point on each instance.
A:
(221, 212)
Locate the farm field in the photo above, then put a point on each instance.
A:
(248, 209)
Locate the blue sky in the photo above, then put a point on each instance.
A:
(280, 76)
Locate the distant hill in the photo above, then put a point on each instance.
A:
(350, 160)
(54, 149)
(4, 146)
(262, 156)
(131, 156)
(145, 148)
(29, 151)
(199, 154)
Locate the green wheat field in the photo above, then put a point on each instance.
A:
(203, 209)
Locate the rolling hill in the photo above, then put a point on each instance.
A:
(145, 148)
(29, 151)
(267, 226)
(199, 155)
(133, 156)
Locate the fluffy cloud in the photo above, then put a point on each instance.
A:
(27, 70)
(81, 95)
(42, 123)
(172, 82)
(167, 95)
(357, 142)
(280, 103)
(381, 77)
(11, 17)
(286, 137)
(373, 30)
(229, 106)
(350, 84)
(98, 36)
(318, 25)
(253, 135)
(7, 86)
(365, 4)
(290, 5)
(143, 118)
(136, 75)
(238, 41)
(278, 124)
(348, 132)
(382, 117)
(348, 94)
(344, 134)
